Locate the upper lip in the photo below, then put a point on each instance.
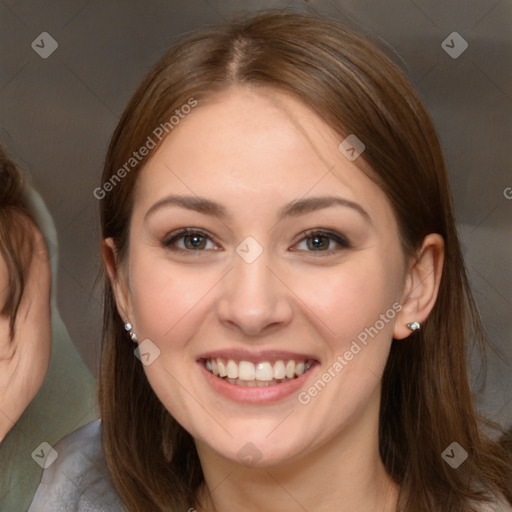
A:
(256, 357)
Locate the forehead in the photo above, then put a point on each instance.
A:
(257, 144)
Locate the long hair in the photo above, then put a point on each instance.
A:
(16, 239)
(343, 76)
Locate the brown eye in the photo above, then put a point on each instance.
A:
(194, 241)
(188, 240)
(324, 241)
(318, 242)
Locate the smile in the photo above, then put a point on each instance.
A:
(259, 374)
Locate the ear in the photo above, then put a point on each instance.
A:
(421, 285)
(117, 277)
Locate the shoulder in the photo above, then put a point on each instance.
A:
(78, 478)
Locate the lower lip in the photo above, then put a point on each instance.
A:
(255, 394)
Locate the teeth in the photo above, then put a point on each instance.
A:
(232, 369)
(221, 368)
(264, 371)
(261, 374)
(290, 369)
(246, 370)
(279, 372)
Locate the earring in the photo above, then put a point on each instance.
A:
(128, 327)
(414, 326)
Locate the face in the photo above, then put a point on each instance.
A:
(24, 360)
(258, 250)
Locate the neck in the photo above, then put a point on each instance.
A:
(345, 474)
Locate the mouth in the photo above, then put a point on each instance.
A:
(262, 373)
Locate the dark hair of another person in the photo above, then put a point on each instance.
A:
(16, 237)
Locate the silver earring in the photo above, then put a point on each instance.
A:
(414, 326)
(128, 327)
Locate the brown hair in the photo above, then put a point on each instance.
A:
(16, 239)
(426, 398)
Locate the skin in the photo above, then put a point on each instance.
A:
(24, 360)
(254, 151)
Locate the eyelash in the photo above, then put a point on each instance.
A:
(338, 238)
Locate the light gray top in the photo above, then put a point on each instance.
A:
(78, 480)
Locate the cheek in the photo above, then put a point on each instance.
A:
(164, 297)
(351, 298)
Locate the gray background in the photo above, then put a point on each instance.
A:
(57, 115)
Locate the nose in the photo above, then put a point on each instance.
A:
(254, 300)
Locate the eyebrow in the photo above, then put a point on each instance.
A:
(293, 209)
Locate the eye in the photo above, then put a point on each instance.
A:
(323, 241)
(188, 240)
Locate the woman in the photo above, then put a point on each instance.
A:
(280, 249)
